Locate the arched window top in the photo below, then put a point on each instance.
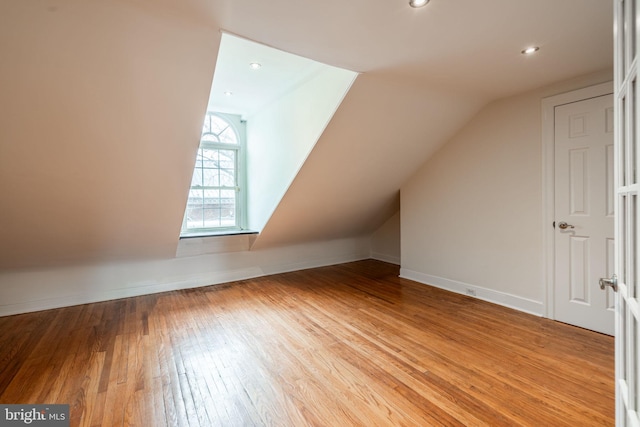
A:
(217, 129)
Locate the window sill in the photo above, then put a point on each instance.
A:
(220, 242)
(216, 234)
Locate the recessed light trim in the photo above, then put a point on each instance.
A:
(418, 3)
(228, 93)
(530, 50)
(255, 65)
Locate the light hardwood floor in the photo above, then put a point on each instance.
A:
(344, 345)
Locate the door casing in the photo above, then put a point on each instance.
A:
(548, 182)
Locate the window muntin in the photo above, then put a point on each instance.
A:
(214, 203)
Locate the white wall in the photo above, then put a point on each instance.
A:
(281, 135)
(33, 290)
(472, 215)
(385, 241)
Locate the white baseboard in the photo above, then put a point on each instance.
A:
(507, 300)
(304, 265)
(21, 292)
(391, 259)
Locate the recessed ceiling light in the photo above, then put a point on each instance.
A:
(530, 50)
(418, 3)
(255, 65)
(228, 93)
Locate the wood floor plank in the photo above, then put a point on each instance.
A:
(89, 389)
(345, 345)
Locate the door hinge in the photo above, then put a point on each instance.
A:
(554, 224)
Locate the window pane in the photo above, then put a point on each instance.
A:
(209, 137)
(193, 221)
(227, 178)
(228, 207)
(195, 196)
(228, 217)
(228, 194)
(211, 199)
(193, 214)
(199, 158)
(211, 177)
(228, 136)
(211, 218)
(209, 158)
(227, 159)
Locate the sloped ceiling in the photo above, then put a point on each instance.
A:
(101, 104)
(252, 90)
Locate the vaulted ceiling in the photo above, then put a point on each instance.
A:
(101, 104)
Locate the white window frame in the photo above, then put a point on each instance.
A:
(238, 126)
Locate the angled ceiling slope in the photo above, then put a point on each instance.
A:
(240, 89)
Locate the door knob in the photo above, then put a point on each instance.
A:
(563, 225)
(613, 282)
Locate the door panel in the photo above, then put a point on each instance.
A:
(584, 199)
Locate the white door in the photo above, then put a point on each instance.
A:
(627, 14)
(584, 213)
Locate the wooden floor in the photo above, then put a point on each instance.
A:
(337, 346)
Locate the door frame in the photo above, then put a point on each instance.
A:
(549, 105)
